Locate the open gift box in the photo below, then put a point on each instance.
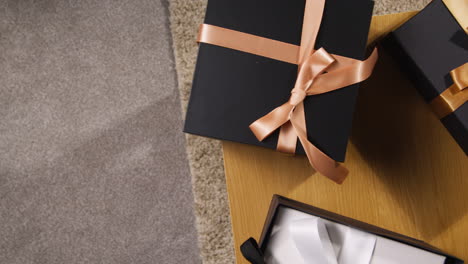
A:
(299, 233)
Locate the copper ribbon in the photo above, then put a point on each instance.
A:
(319, 72)
(455, 96)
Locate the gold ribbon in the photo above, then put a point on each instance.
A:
(319, 72)
(455, 96)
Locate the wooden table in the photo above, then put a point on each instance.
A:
(407, 174)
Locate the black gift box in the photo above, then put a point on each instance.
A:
(427, 48)
(253, 251)
(232, 89)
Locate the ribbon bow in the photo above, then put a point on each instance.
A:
(454, 96)
(311, 80)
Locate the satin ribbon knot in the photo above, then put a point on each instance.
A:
(313, 66)
(297, 96)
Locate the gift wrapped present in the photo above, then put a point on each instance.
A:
(432, 48)
(283, 75)
(302, 234)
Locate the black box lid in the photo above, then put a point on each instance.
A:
(232, 89)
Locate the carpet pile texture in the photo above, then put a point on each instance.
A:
(205, 155)
(93, 167)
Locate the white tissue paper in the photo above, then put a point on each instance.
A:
(301, 238)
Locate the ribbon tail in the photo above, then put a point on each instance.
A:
(287, 139)
(267, 124)
(356, 72)
(319, 160)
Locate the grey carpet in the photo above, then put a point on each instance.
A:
(92, 161)
(205, 155)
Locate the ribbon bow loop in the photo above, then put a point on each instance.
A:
(314, 65)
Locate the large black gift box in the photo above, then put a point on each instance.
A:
(254, 252)
(427, 48)
(232, 89)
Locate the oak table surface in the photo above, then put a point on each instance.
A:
(407, 174)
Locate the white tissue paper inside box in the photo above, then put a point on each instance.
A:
(302, 238)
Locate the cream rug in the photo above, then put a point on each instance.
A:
(205, 155)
